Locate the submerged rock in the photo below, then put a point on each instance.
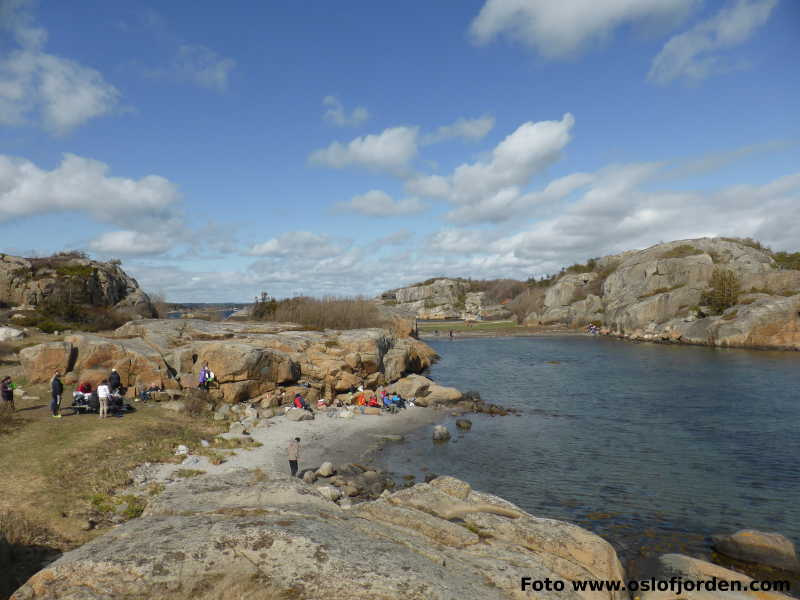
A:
(440, 433)
(694, 570)
(750, 545)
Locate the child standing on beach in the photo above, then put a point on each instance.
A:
(294, 455)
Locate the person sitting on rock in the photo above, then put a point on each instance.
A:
(398, 401)
(300, 403)
(85, 388)
(373, 401)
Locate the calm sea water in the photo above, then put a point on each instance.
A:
(655, 447)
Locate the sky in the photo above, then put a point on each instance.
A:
(345, 148)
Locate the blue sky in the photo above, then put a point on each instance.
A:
(346, 148)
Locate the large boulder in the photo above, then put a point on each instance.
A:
(8, 334)
(750, 545)
(441, 395)
(297, 414)
(236, 535)
(411, 386)
(42, 360)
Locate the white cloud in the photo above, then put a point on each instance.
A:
(459, 241)
(615, 214)
(200, 65)
(694, 54)
(391, 150)
(466, 129)
(491, 190)
(131, 243)
(377, 203)
(337, 115)
(298, 244)
(59, 93)
(83, 185)
(398, 238)
(510, 202)
(184, 62)
(561, 28)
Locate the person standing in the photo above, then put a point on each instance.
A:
(114, 382)
(102, 394)
(205, 375)
(7, 392)
(56, 390)
(294, 455)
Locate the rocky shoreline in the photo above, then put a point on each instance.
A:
(347, 530)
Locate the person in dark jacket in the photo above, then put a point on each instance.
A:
(7, 392)
(114, 382)
(56, 389)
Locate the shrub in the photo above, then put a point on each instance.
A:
(159, 303)
(195, 405)
(681, 251)
(787, 260)
(747, 241)
(326, 313)
(661, 290)
(590, 266)
(529, 301)
(498, 290)
(544, 282)
(724, 290)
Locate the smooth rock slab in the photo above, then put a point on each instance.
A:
(238, 536)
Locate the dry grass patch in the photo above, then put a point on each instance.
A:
(661, 290)
(681, 251)
(61, 472)
(187, 473)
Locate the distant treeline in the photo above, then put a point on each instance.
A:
(325, 313)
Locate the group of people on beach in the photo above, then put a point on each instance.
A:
(361, 398)
(592, 329)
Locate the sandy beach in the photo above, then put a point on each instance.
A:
(323, 439)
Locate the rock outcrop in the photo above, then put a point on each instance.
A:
(237, 535)
(70, 277)
(443, 299)
(248, 359)
(657, 294)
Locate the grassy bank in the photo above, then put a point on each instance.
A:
(62, 478)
